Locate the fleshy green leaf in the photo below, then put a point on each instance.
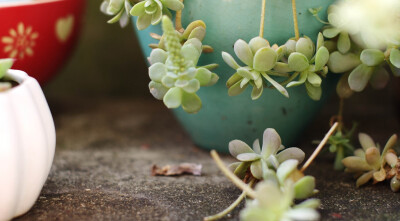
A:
(157, 90)
(248, 156)
(244, 72)
(339, 63)
(198, 33)
(258, 43)
(256, 169)
(158, 55)
(191, 27)
(143, 21)
(265, 59)
(306, 47)
(285, 169)
(290, 46)
(364, 178)
(372, 57)
(302, 79)
(291, 153)
(175, 5)
(271, 142)
(314, 79)
(229, 60)
(203, 75)
(5, 64)
(366, 141)
(277, 86)
(236, 89)
(191, 103)
(356, 164)
(321, 58)
(304, 187)
(359, 77)
(298, 62)
(190, 53)
(320, 41)
(237, 147)
(192, 86)
(256, 92)
(282, 67)
(395, 57)
(331, 32)
(157, 71)
(343, 43)
(233, 80)
(173, 98)
(314, 92)
(243, 52)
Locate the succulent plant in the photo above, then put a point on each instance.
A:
(152, 11)
(119, 9)
(196, 29)
(5, 64)
(174, 76)
(368, 162)
(260, 59)
(309, 61)
(254, 158)
(340, 143)
(393, 169)
(276, 203)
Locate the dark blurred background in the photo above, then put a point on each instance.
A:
(106, 61)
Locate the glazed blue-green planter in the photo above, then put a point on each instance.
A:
(224, 118)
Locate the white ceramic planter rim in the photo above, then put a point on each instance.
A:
(27, 144)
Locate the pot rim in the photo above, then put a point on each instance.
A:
(18, 76)
(27, 3)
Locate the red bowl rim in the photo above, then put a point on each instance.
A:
(12, 4)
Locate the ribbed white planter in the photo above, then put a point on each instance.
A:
(27, 145)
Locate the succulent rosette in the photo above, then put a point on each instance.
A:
(276, 203)
(268, 154)
(368, 162)
(119, 9)
(260, 59)
(309, 62)
(152, 11)
(175, 78)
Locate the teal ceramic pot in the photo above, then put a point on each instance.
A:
(225, 118)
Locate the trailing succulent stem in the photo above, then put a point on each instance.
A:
(278, 181)
(175, 77)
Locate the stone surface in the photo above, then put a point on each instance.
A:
(106, 147)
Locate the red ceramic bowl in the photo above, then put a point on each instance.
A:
(39, 34)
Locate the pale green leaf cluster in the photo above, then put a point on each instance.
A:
(260, 60)
(271, 162)
(150, 12)
(361, 65)
(275, 202)
(309, 62)
(340, 143)
(119, 9)
(175, 78)
(370, 163)
(5, 64)
(296, 58)
(196, 29)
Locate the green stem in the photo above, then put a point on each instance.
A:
(231, 207)
(339, 157)
(295, 23)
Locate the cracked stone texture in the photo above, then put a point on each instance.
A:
(106, 147)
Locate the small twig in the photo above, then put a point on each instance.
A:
(262, 18)
(295, 22)
(231, 207)
(178, 21)
(320, 146)
(249, 191)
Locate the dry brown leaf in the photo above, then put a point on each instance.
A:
(176, 170)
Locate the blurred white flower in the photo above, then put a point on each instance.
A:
(372, 23)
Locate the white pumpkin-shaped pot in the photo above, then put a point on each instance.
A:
(27, 145)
